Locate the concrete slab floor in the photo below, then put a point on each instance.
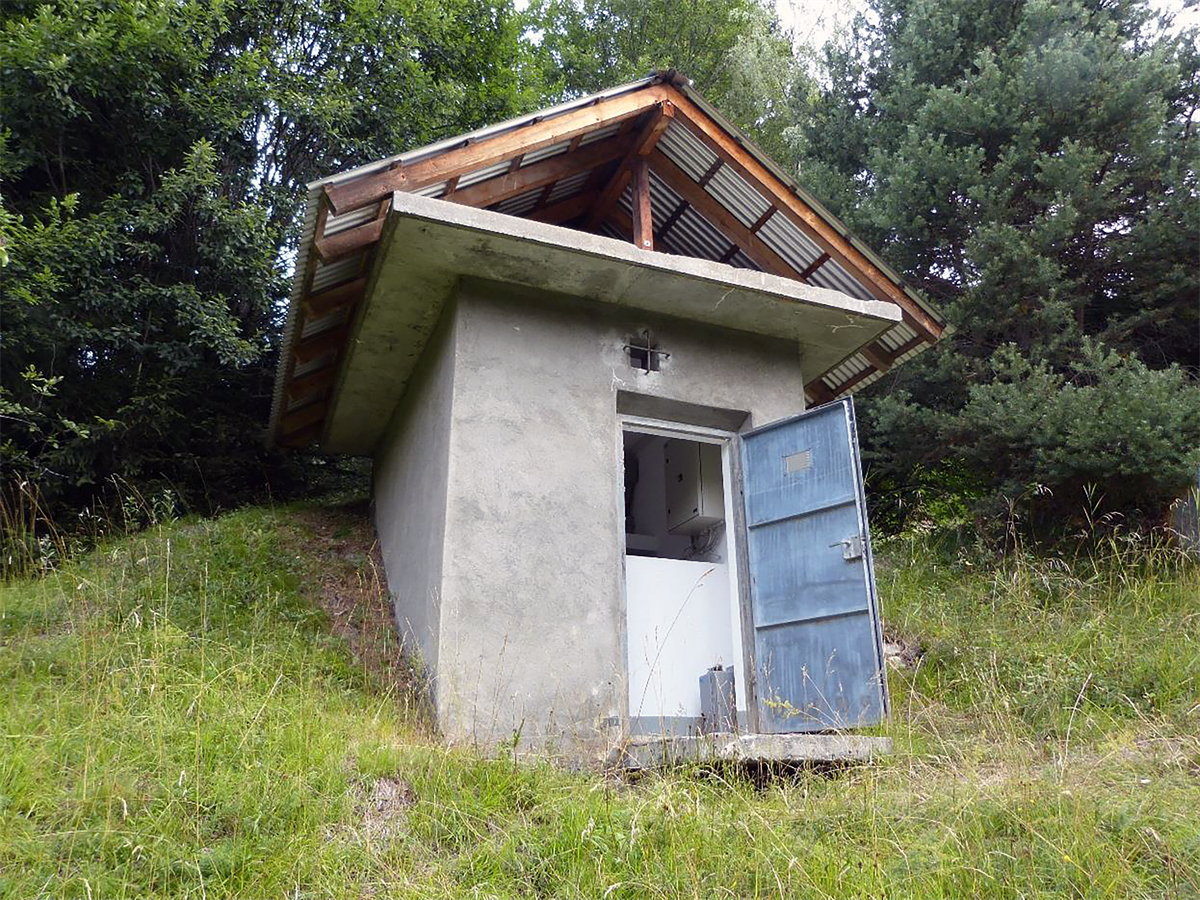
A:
(651, 752)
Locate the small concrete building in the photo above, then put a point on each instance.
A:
(601, 358)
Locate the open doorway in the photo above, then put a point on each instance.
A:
(682, 616)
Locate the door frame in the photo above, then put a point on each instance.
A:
(735, 534)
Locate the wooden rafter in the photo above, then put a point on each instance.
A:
(565, 210)
(812, 267)
(310, 348)
(877, 356)
(339, 297)
(312, 383)
(303, 417)
(494, 149)
(545, 172)
(728, 150)
(678, 211)
(646, 140)
(338, 246)
(721, 218)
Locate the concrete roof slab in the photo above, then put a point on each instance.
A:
(427, 245)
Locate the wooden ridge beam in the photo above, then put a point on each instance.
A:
(645, 142)
(839, 247)
(540, 174)
(725, 221)
(497, 148)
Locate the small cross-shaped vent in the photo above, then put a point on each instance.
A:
(644, 353)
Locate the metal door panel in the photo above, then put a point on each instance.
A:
(829, 585)
(818, 647)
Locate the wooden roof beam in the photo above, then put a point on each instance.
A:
(303, 417)
(565, 210)
(877, 356)
(805, 217)
(312, 382)
(493, 149)
(308, 349)
(645, 142)
(539, 174)
(643, 220)
(338, 246)
(725, 221)
(335, 298)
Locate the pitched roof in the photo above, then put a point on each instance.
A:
(593, 164)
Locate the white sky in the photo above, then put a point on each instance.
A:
(814, 21)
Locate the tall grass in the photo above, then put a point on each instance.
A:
(176, 719)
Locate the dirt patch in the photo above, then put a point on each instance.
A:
(382, 805)
(346, 578)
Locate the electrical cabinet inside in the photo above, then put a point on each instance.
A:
(695, 494)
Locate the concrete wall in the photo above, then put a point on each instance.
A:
(532, 611)
(411, 473)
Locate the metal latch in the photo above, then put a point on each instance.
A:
(852, 547)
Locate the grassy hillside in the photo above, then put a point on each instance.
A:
(210, 709)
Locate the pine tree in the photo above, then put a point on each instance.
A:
(1031, 166)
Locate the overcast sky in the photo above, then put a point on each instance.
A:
(813, 21)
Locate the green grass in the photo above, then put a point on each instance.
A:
(176, 719)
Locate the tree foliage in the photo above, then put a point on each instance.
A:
(151, 170)
(1032, 167)
(734, 51)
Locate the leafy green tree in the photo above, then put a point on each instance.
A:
(1031, 165)
(152, 162)
(734, 51)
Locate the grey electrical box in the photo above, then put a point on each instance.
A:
(695, 495)
(718, 706)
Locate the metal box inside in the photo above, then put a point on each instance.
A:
(695, 496)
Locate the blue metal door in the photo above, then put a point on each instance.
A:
(817, 643)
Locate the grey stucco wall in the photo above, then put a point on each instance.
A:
(411, 476)
(532, 615)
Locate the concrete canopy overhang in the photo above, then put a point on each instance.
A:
(428, 245)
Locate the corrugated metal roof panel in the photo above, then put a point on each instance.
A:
(741, 261)
(482, 174)
(600, 133)
(735, 194)
(520, 204)
(832, 275)
(789, 242)
(568, 187)
(534, 156)
(352, 219)
(327, 276)
(686, 150)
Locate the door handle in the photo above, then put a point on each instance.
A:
(852, 547)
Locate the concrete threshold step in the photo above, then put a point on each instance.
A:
(654, 751)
